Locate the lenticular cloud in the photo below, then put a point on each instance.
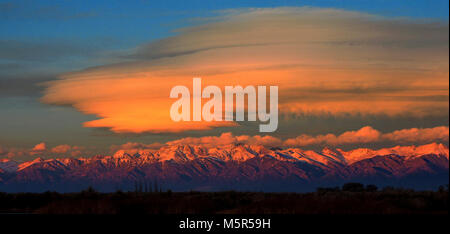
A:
(325, 61)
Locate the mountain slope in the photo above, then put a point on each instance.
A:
(243, 167)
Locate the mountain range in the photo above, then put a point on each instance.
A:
(232, 167)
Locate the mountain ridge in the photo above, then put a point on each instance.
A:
(230, 166)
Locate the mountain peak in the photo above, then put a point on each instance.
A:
(407, 151)
(229, 164)
(242, 152)
(433, 148)
(29, 163)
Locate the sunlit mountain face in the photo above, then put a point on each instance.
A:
(232, 167)
(85, 95)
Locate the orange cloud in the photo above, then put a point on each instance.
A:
(68, 150)
(325, 61)
(130, 146)
(37, 149)
(419, 134)
(363, 135)
(40, 147)
(368, 134)
(10, 152)
(5, 152)
(60, 149)
(227, 139)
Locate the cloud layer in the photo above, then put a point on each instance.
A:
(363, 135)
(42, 150)
(368, 135)
(325, 61)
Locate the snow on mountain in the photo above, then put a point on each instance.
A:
(229, 165)
(407, 151)
(237, 153)
(8, 165)
(29, 163)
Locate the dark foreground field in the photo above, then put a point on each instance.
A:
(347, 200)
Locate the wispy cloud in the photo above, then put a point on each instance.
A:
(40, 51)
(30, 10)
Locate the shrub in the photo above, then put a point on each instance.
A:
(353, 187)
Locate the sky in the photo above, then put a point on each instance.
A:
(79, 76)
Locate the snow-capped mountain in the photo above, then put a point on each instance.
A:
(243, 167)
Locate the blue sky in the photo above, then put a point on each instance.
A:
(71, 35)
(133, 22)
